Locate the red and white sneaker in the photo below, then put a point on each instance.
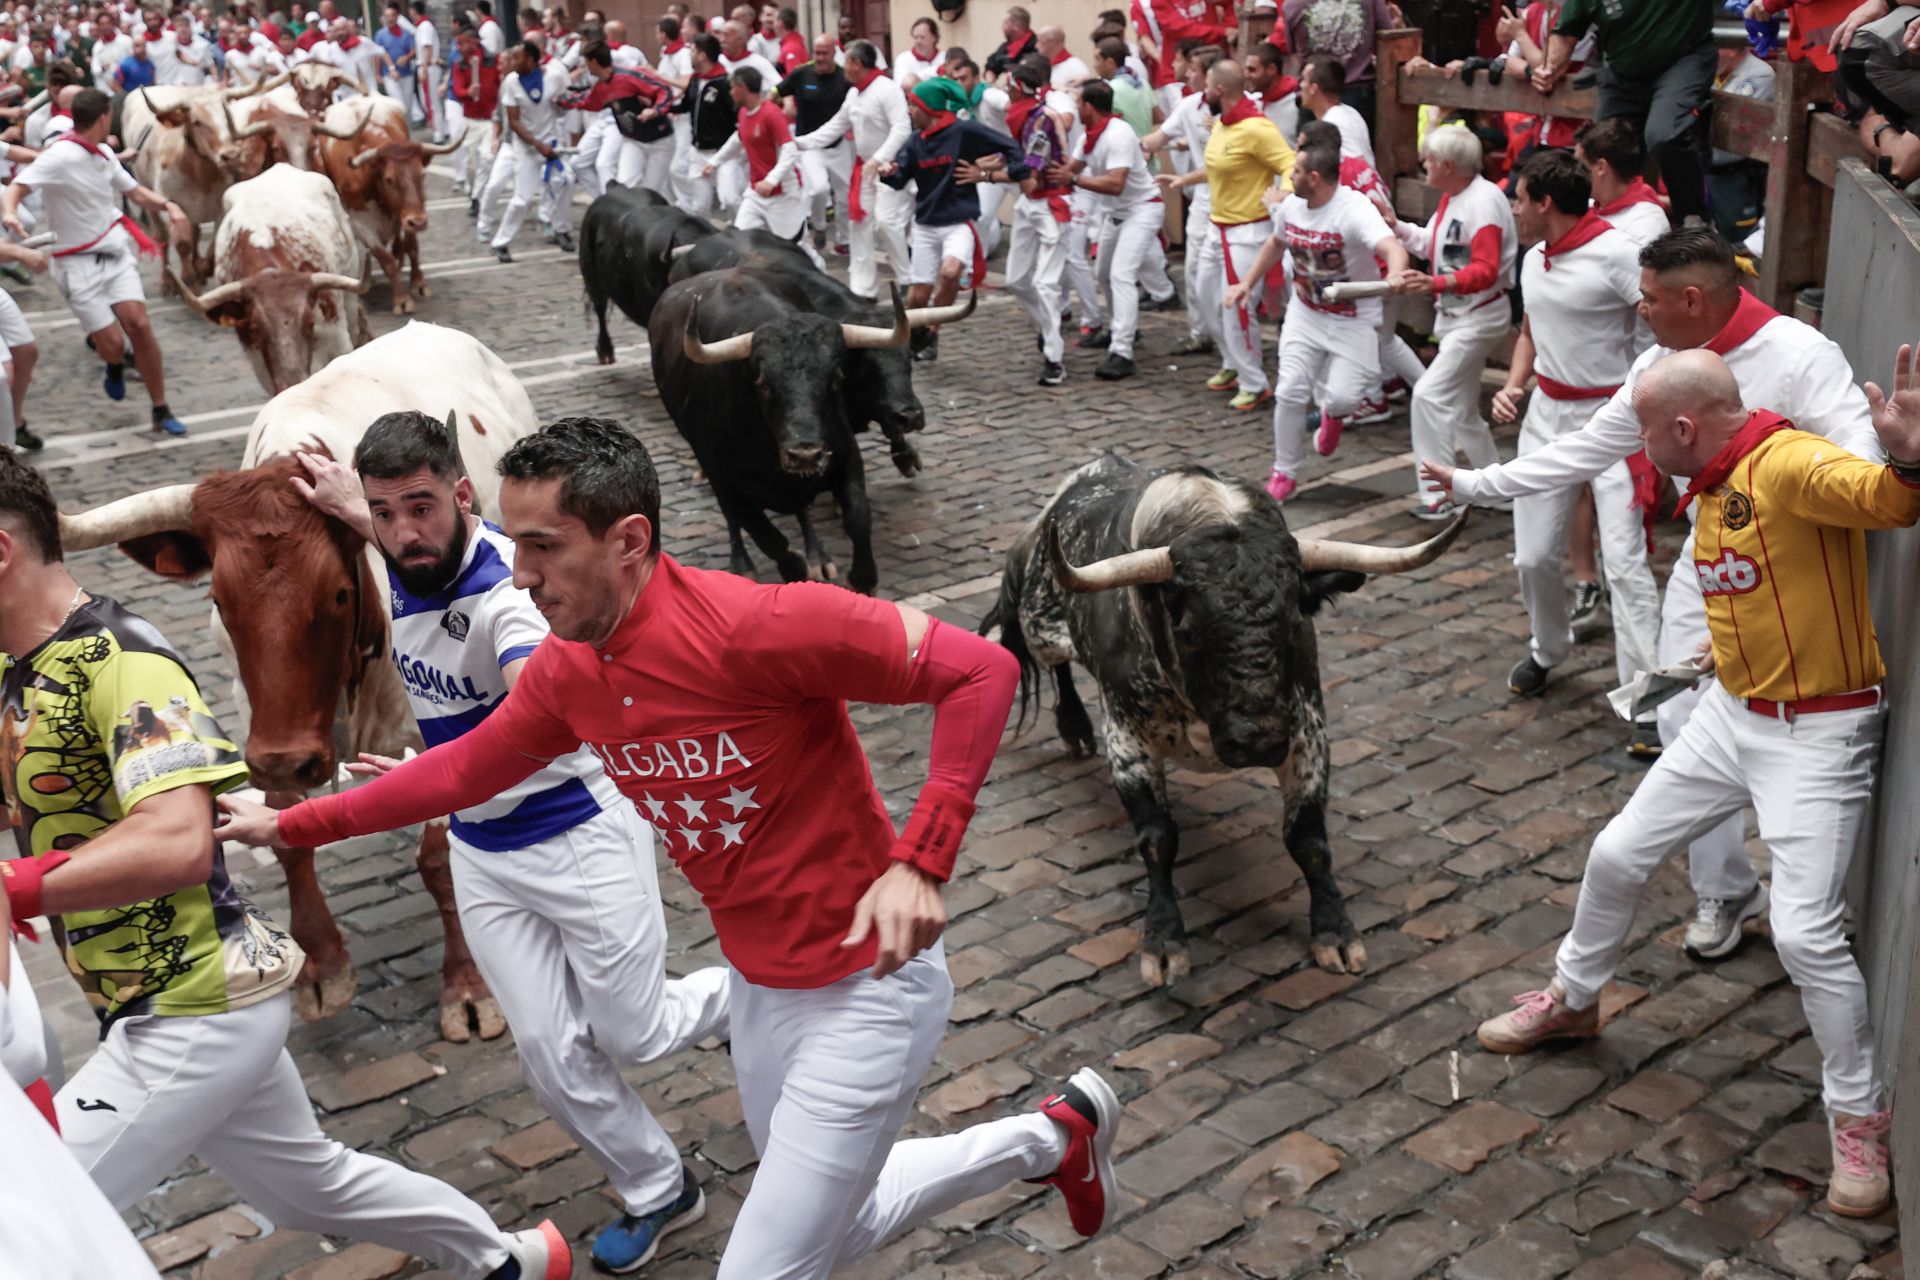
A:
(542, 1252)
(1280, 485)
(1372, 410)
(1327, 438)
(1397, 389)
(1090, 1113)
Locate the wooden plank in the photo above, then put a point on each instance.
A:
(1743, 125)
(1396, 124)
(1829, 141)
(1797, 210)
(1513, 93)
(1255, 26)
(1414, 200)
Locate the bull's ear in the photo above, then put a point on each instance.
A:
(1319, 588)
(173, 554)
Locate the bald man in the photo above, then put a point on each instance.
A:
(1068, 71)
(1790, 724)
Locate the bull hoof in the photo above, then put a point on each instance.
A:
(793, 568)
(464, 1010)
(1164, 971)
(603, 354)
(318, 995)
(829, 571)
(907, 459)
(1338, 955)
(1078, 748)
(422, 288)
(403, 306)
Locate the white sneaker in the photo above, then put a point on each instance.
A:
(542, 1252)
(1715, 932)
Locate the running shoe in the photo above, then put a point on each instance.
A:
(1249, 400)
(1191, 345)
(1859, 1187)
(1090, 1113)
(1169, 303)
(1114, 368)
(1053, 374)
(1372, 410)
(116, 382)
(1327, 438)
(1397, 389)
(1280, 485)
(26, 441)
(1438, 509)
(540, 1253)
(1715, 932)
(1586, 604)
(1093, 339)
(1528, 677)
(163, 420)
(1539, 1016)
(1225, 380)
(630, 1241)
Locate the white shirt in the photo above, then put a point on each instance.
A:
(1191, 122)
(541, 117)
(1333, 245)
(1118, 147)
(493, 38)
(1786, 366)
(629, 57)
(1354, 138)
(1283, 111)
(1447, 242)
(361, 62)
(80, 190)
(426, 43)
(878, 117)
(177, 64)
(770, 76)
(1641, 222)
(107, 56)
(909, 66)
(1581, 308)
(1069, 72)
(992, 111)
(677, 65)
(450, 650)
(766, 46)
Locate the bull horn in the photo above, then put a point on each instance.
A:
(320, 126)
(866, 337)
(738, 347)
(680, 251)
(921, 317)
(333, 280)
(204, 303)
(252, 129)
(1128, 569)
(353, 82)
(440, 148)
(34, 103)
(365, 158)
(268, 86)
(155, 511)
(1318, 555)
(247, 91)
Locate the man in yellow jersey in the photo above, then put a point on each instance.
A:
(1245, 153)
(1791, 725)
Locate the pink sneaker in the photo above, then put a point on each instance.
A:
(1280, 485)
(1327, 439)
(1859, 1188)
(1539, 1016)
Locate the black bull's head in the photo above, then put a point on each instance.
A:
(1228, 609)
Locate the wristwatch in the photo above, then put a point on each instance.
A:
(1879, 129)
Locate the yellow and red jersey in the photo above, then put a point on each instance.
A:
(1783, 565)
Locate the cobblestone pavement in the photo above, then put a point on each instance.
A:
(1280, 1121)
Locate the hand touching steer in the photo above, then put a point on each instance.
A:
(1193, 609)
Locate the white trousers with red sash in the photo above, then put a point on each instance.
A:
(882, 223)
(1231, 251)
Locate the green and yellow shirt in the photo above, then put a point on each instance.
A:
(97, 719)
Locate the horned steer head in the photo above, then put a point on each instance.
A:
(274, 312)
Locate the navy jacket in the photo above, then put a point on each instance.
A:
(929, 164)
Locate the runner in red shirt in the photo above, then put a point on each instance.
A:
(719, 706)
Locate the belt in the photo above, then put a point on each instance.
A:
(1813, 706)
(1561, 391)
(1487, 302)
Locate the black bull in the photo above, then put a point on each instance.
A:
(752, 376)
(879, 382)
(1194, 612)
(627, 239)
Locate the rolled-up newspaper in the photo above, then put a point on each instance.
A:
(1354, 290)
(38, 240)
(1648, 689)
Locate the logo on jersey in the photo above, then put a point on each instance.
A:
(434, 684)
(694, 799)
(1731, 575)
(456, 624)
(681, 759)
(1737, 511)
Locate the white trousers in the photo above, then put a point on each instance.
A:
(432, 99)
(1397, 359)
(1131, 259)
(1811, 780)
(1331, 356)
(1036, 263)
(472, 158)
(993, 199)
(223, 1087)
(827, 1077)
(1717, 861)
(1540, 524)
(704, 193)
(783, 214)
(1203, 285)
(1081, 281)
(887, 217)
(1230, 253)
(570, 936)
(827, 174)
(594, 148)
(518, 175)
(1445, 407)
(644, 164)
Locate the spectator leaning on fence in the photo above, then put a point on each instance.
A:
(1657, 67)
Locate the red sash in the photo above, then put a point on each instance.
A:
(141, 240)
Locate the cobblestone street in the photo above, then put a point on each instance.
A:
(1281, 1121)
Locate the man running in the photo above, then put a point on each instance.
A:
(774, 200)
(111, 771)
(529, 156)
(879, 216)
(555, 877)
(719, 706)
(95, 258)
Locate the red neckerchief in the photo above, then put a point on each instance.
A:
(1590, 227)
(711, 73)
(873, 73)
(1284, 86)
(1017, 47)
(1017, 112)
(349, 42)
(1760, 424)
(941, 119)
(618, 44)
(1241, 110)
(672, 47)
(1059, 57)
(396, 30)
(1094, 131)
(1748, 319)
(1638, 193)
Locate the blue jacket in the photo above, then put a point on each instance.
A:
(929, 164)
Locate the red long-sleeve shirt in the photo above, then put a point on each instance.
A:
(478, 97)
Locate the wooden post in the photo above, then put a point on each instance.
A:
(1255, 27)
(1797, 208)
(1396, 124)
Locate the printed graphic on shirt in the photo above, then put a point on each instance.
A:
(1456, 253)
(1731, 575)
(694, 797)
(1738, 511)
(1320, 258)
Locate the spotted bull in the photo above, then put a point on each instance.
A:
(1193, 608)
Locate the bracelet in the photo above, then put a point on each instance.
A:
(1907, 471)
(1879, 129)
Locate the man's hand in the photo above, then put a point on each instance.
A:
(1869, 11)
(706, 171)
(1437, 474)
(765, 187)
(333, 488)
(372, 766)
(245, 822)
(1897, 418)
(1272, 197)
(885, 169)
(1757, 11)
(1703, 656)
(1545, 76)
(1236, 294)
(904, 910)
(177, 223)
(1167, 181)
(1512, 26)
(1506, 404)
(1412, 281)
(13, 224)
(1059, 175)
(968, 174)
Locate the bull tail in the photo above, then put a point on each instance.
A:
(1005, 614)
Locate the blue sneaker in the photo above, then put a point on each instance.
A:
(630, 1242)
(116, 383)
(171, 425)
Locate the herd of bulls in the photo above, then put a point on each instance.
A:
(1182, 592)
(304, 177)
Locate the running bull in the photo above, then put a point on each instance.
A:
(1192, 605)
(627, 239)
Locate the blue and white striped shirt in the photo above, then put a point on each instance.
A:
(450, 649)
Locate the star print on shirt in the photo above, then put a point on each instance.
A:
(730, 833)
(685, 832)
(696, 810)
(738, 800)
